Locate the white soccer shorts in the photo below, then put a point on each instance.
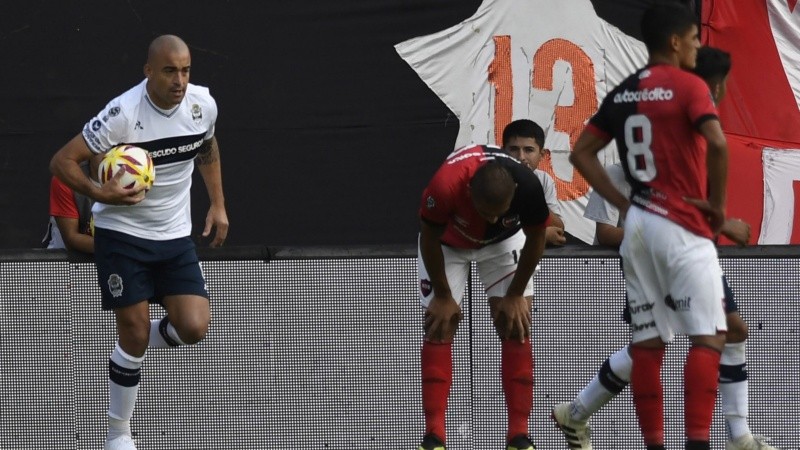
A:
(673, 279)
(496, 263)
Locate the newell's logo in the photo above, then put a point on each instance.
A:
(115, 285)
(425, 287)
(430, 202)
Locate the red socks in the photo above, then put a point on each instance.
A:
(648, 395)
(517, 374)
(700, 382)
(437, 376)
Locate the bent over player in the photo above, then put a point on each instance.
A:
(674, 155)
(143, 248)
(483, 206)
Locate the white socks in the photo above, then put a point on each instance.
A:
(733, 389)
(610, 380)
(124, 372)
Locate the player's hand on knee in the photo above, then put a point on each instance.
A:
(441, 319)
(512, 317)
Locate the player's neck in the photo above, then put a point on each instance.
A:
(659, 58)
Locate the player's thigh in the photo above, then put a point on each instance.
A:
(179, 272)
(497, 264)
(643, 284)
(124, 272)
(696, 291)
(456, 267)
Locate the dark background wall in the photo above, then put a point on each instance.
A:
(327, 136)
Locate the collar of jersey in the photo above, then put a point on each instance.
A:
(163, 112)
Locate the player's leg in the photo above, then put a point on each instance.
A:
(437, 357)
(695, 294)
(572, 417)
(180, 287)
(125, 284)
(497, 264)
(650, 327)
(733, 386)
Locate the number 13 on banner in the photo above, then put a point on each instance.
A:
(567, 119)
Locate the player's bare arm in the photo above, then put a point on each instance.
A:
(514, 308)
(443, 313)
(608, 235)
(208, 163)
(65, 164)
(584, 159)
(73, 238)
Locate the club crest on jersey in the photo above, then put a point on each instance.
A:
(197, 112)
(115, 285)
(510, 221)
(430, 202)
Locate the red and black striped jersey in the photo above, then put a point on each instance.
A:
(446, 200)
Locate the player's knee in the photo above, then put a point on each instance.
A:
(737, 329)
(191, 331)
(610, 380)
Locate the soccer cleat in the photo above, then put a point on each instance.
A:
(749, 442)
(575, 432)
(431, 442)
(520, 442)
(123, 442)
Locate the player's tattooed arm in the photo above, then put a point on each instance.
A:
(208, 152)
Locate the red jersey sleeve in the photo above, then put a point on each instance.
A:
(436, 205)
(698, 102)
(62, 200)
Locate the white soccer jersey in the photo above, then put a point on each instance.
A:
(601, 211)
(173, 138)
(549, 187)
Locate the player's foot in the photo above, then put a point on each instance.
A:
(576, 432)
(520, 442)
(123, 442)
(749, 442)
(431, 442)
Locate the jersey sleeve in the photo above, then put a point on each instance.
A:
(698, 103)
(549, 188)
(62, 200)
(108, 129)
(436, 205)
(533, 210)
(600, 124)
(600, 211)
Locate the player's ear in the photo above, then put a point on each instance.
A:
(147, 71)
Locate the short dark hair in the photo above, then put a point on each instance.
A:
(713, 64)
(523, 128)
(492, 183)
(661, 21)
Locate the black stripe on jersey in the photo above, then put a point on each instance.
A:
(173, 149)
(702, 119)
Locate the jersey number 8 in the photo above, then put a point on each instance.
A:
(638, 137)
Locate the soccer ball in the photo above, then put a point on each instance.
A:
(136, 163)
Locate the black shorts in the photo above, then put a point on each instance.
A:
(131, 270)
(730, 302)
